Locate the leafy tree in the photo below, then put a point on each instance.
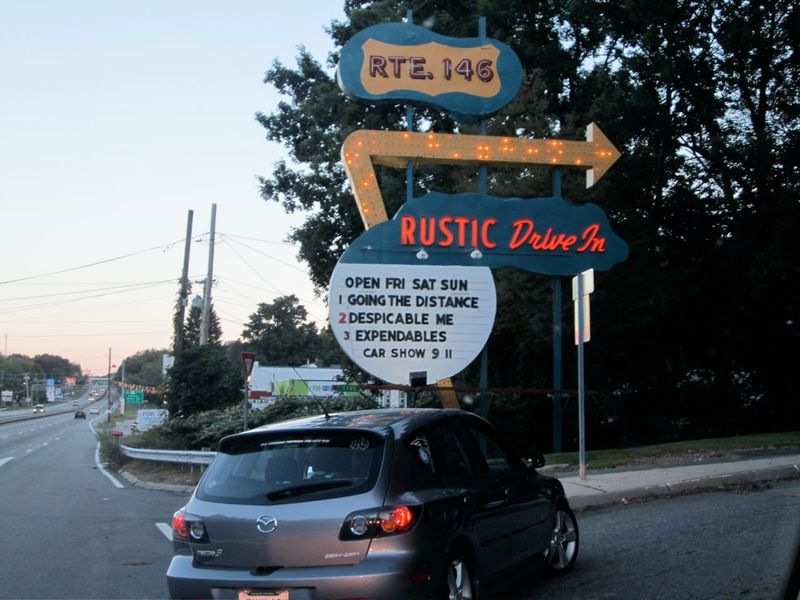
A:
(144, 368)
(56, 367)
(203, 378)
(702, 99)
(279, 333)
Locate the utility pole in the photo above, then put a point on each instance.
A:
(108, 389)
(205, 319)
(179, 325)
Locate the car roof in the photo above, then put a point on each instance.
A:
(381, 421)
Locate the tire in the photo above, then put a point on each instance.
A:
(562, 553)
(458, 581)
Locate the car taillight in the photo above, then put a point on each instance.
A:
(179, 527)
(399, 519)
(377, 523)
(188, 528)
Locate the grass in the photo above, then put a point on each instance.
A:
(676, 451)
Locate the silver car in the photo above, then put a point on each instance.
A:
(423, 503)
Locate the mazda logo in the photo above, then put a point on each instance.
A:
(266, 524)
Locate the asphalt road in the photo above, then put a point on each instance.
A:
(68, 531)
(720, 545)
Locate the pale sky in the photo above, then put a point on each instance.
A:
(116, 119)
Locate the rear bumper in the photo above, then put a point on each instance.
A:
(388, 576)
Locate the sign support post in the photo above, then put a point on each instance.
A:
(582, 286)
(248, 358)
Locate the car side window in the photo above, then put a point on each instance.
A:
(421, 449)
(441, 452)
(491, 456)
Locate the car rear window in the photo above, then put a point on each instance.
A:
(292, 467)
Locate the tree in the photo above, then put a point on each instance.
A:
(279, 333)
(203, 378)
(144, 368)
(702, 99)
(194, 322)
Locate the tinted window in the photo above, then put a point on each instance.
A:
(295, 467)
(491, 457)
(440, 451)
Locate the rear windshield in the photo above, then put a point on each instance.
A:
(274, 469)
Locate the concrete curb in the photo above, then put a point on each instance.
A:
(151, 485)
(688, 486)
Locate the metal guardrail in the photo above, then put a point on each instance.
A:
(187, 457)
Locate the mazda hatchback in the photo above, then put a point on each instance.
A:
(425, 503)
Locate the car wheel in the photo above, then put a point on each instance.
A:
(562, 552)
(459, 582)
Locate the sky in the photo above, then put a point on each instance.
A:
(116, 120)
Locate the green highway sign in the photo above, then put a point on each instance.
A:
(134, 397)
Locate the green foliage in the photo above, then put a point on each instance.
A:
(144, 368)
(193, 325)
(206, 429)
(701, 98)
(15, 367)
(203, 378)
(280, 334)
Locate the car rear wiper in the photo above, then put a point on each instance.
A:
(308, 488)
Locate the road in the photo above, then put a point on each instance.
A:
(718, 545)
(69, 531)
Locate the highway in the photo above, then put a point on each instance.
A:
(70, 530)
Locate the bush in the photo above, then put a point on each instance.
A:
(206, 429)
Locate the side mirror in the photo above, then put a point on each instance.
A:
(534, 461)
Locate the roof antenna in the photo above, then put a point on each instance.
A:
(313, 395)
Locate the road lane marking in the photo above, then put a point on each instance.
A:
(165, 529)
(5, 460)
(102, 469)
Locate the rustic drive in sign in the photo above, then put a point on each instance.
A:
(393, 320)
(414, 294)
(545, 235)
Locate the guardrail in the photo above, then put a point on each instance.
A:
(186, 457)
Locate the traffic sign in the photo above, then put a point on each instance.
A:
(134, 397)
(248, 358)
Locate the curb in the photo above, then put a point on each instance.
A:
(688, 486)
(151, 485)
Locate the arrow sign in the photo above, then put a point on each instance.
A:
(248, 358)
(396, 148)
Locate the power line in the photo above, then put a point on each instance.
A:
(94, 264)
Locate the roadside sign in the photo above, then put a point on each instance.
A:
(248, 358)
(580, 296)
(134, 397)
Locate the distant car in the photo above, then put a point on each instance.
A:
(406, 504)
(94, 411)
(38, 409)
(76, 404)
(79, 414)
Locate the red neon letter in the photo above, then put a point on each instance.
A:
(592, 242)
(427, 235)
(448, 235)
(485, 241)
(407, 226)
(520, 225)
(462, 223)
